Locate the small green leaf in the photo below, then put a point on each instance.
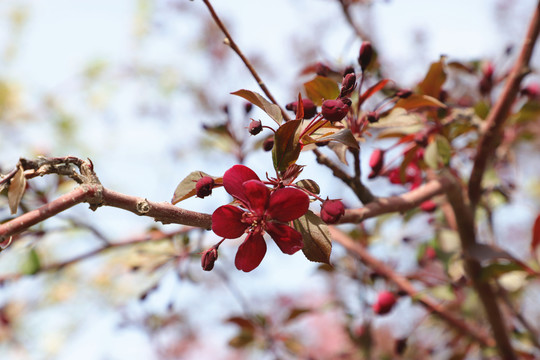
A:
(309, 185)
(438, 152)
(321, 88)
(495, 270)
(32, 264)
(186, 188)
(258, 100)
(286, 145)
(317, 240)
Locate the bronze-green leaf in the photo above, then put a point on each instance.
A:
(186, 188)
(321, 88)
(309, 185)
(344, 136)
(317, 240)
(434, 79)
(258, 100)
(286, 145)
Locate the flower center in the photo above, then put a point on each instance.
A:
(256, 222)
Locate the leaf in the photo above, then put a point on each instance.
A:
(493, 271)
(438, 152)
(340, 150)
(344, 136)
(295, 313)
(485, 252)
(535, 234)
(434, 79)
(397, 117)
(372, 90)
(416, 101)
(286, 145)
(309, 185)
(321, 88)
(317, 240)
(243, 323)
(16, 190)
(186, 188)
(32, 264)
(258, 100)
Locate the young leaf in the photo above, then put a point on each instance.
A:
(317, 241)
(32, 264)
(321, 88)
(416, 101)
(344, 136)
(438, 152)
(535, 234)
(309, 185)
(16, 190)
(434, 79)
(256, 99)
(186, 188)
(398, 117)
(286, 145)
(372, 90)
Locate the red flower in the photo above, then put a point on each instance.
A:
(261, 211)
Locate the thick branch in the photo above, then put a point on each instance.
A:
(399, 203)
(381, 268)
(499, 113)
(229, 41)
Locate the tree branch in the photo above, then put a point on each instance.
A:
(229, 41)
(358, 251)
(499, 113)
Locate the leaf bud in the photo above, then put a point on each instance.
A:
(335, 110)
(204, 186)
(255, 127)
(385, 303)
(366, 53)
(332, 211)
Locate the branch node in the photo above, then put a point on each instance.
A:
(143, 207)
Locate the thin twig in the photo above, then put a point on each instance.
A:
(229, 41)
(499, 113)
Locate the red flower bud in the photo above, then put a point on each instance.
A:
(247, 107)
(428, 206)
(335, 110)
(255, 127)
(372, 117)
(208, 258)
(204, 186)
(332, 211)
(348, 84)
(532, 91)
(376, 161)
(310, 109)
(385, 302)
(268, 144)
(321, 69)
(366, 52)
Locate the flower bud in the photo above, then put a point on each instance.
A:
(332, 211)
(208, 258)
(335, 110)
(385, 302)
(268, 144)
(310, 109)
(532, 91)
(366, 52)
(428, 206)
(255, 127)
(204, 186)
(322, 70)
(348, 84)
(372, 117)
(376, 161)
(248, 107)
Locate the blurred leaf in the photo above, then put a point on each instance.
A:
(485, 252)
(16, 190)
(493, 271)
(256, 99)
(321, 88)
(286, 145)
(397, 117)
(535, 234)
(340, 150)
(416, 101)
(241, 340)
(186, 188)
(309, 185)
(32, 264)
(481, 109)
(530, 111)
(295, 313)
(317, 241)
(242, 322)
(344, 136)
(434, 79)
(372, 90)
(443, 292)
(438, 152)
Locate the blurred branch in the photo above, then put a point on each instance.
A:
(398, 203)
(346, 8)
(486, 293)
(500, 111)
(229, 41)
(360, 252)
(354, 183)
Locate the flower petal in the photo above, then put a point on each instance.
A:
(227, 222)
(288, 204)
(257, 195)
(251, 252)
(235, 177)
(288, 239)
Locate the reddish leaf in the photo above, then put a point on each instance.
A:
(321, 88)
(372, 90)
(256, 99)
(536, 234)
(286, 145)
(300, 108)
(434, 80)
